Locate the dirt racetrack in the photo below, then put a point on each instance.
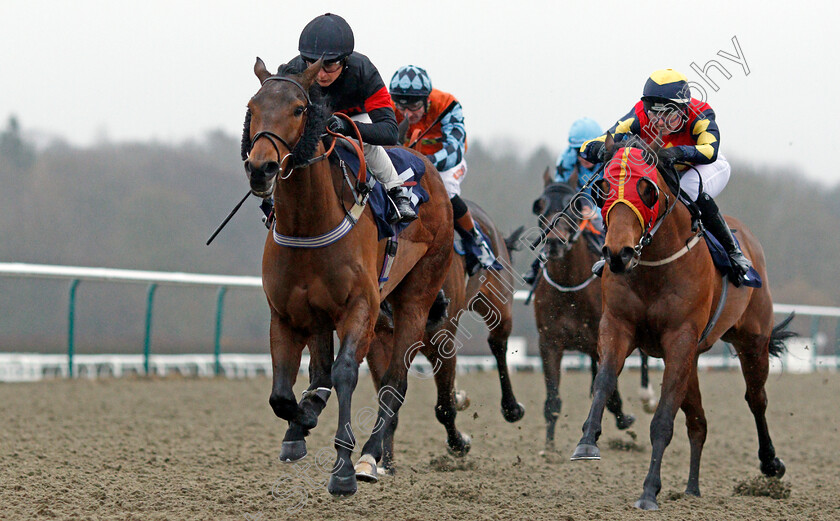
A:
(179, 448)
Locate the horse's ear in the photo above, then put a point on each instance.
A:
(539, 205)
(648, 192)
(600, 191)
(547, 180)
(311, 73)
(609, 144)
(260, 70)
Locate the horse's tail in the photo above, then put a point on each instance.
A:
(512, 241)
(779, 335)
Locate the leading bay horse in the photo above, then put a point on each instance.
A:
(332, 284)
(487, 293)
(660, 294)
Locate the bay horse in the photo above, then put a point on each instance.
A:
(313, 291)
(661, 294)
(567, 299)
(488, 293)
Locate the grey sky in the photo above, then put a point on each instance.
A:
(172, 70)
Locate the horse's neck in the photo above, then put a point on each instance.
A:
(306, 204)
(671, 236)
(574, 267)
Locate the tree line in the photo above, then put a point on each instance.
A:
(151, 205)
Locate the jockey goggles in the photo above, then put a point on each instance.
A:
(328, 67)
(412, 105)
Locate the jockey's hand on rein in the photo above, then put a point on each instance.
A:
(671, 155)
(338, 125)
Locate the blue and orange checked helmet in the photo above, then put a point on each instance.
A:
(410, 84)
(665, 89)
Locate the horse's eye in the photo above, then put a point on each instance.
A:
(299, 111)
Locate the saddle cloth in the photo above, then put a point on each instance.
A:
(410, 169)
(721, 260)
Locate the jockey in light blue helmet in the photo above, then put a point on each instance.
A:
(570, 161)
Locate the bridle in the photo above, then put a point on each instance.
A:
(273, 138)
(653, 227)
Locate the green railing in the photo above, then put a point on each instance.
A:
(153, 278)
(223, 282)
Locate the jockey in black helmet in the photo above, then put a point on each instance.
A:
(351, 84)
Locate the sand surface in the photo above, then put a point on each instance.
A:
(183, 448)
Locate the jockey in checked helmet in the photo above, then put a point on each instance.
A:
(352, 85)
(689, 134)
(432, 122)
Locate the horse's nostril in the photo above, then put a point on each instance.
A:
(627, 254)
(247, 167)
(271, 168)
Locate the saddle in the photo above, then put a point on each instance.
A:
(410, 169)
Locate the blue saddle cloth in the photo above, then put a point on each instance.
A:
(409, 167)
(465, 242)
(721, 260)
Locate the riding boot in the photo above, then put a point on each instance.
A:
(713, 221)
(531, 277)
(267, 207)
(403, 212)
(487, 259)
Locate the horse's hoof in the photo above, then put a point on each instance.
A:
(292, 451)
(462, 401)
(774, 469)
(646, 504)
(624, 421)
(366, 469)
(585, 451)
(342, 486)
(649, 408)
(692, 491)
(461, 449)
(515, 414)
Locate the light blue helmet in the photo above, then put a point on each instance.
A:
(410, 83)
(583, 130)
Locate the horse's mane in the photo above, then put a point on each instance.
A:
(316, 118)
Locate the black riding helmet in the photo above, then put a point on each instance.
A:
(328, 35)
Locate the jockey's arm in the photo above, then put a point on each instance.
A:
(623, 128)
(382, 130)
(704, 131)
(454, 140)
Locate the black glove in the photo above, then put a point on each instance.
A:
(595, 152)
(669, 156)
(338, 125)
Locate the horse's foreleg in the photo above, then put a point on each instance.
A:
(681, 359)
(445, 410)
(552, 356)
(355, 331)
(613, 347)
(755, 366)
(409, 325)
(695, 421)
(286, 349)
(512, 411)
(614, 405)
(314, 399)
(496, 315)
